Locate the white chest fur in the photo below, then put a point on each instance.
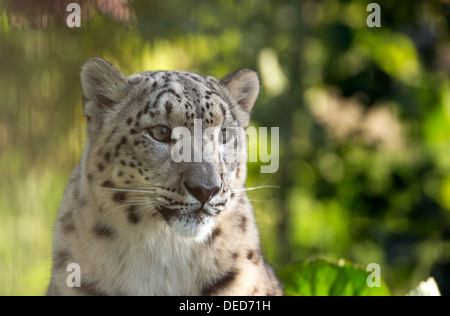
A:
(151, 261)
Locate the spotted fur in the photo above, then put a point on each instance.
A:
(139, 223)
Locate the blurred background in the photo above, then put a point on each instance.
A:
(364, 118)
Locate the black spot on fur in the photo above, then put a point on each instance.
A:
(214, 234)
(168, 213)
(100, 167)
(105, 101)
(82, 201)
(168, 107)
(216, 286)
(168, 199)
(238, 171)
(111, 135)
(130, 120)
(195, 78)
(254, 256)
(102, 230)
(107, 156)
(108, 184)
(245, 89)
(61, 259)
(175, 94)
(76, 193)
(243, 101)
(147, 107)
(158, 96)
(222, 108)
(133, 131)
(132, 216)
(243, 223)
(123, 141)
(67, 222)
(135, 80)
(120, 197)
(90, 177)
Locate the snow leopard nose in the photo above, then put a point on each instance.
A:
(201, 193)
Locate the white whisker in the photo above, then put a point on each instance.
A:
(146, 207)
(234, 203)
(255, 188)
(125, 190)
(125, 205)
(136, 201)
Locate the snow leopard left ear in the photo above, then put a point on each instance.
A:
(243, 85)
(102, 85)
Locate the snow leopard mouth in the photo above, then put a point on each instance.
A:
(197, 223)
(197, 215)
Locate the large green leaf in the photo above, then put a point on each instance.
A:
(322, 278)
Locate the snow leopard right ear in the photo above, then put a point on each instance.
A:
(103, 86)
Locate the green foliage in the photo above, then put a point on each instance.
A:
(323, 278)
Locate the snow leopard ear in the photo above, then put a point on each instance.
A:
(102, 86)
(243, 86)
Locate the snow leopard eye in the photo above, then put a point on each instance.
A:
(161, 133)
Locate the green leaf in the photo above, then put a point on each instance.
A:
(323, 278)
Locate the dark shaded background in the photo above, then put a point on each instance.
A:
(364, 118)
